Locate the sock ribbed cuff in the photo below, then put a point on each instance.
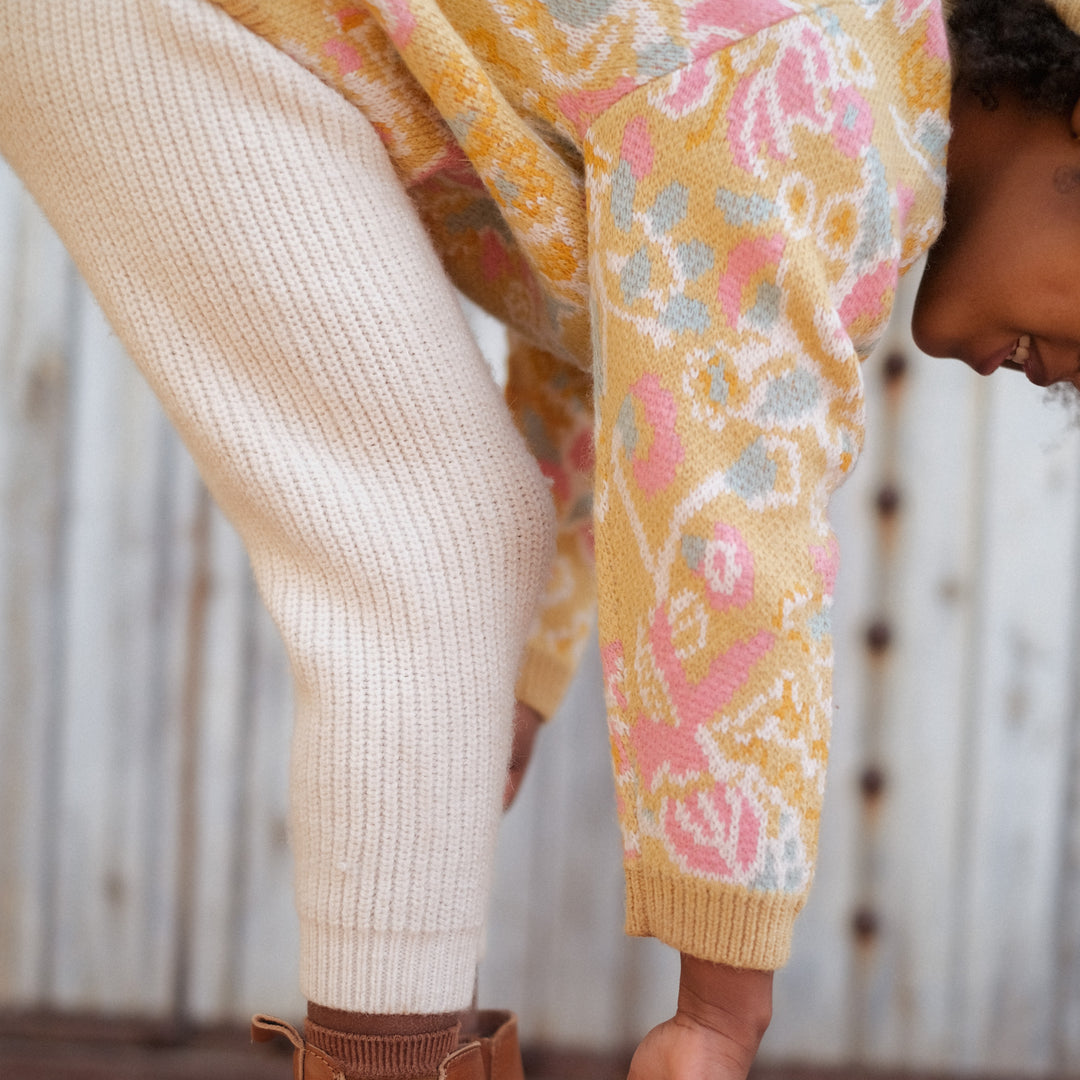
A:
(384, 1057)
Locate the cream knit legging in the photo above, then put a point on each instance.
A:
(245, 234)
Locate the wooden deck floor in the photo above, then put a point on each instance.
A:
(51, 1047)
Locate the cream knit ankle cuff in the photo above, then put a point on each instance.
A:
(365, 971)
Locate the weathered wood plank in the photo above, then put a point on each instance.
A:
(573, 924)
(220, 794)
(34, 406)
(923, 702)
(112, 904)
(1066, 987)
(923, 506)
(1022, 709)
(265, 920)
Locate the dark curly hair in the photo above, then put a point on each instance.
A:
(1020, 46)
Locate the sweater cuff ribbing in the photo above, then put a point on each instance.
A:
(543, 681)
(394, 972)
(723, 923)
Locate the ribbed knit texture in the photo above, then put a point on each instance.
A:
(706, 206)
(384, 1057)
(246, 235)
(551, 401)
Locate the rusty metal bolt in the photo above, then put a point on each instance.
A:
(872, 781)
(888, 501)
(896, 366)
(878, 636)
(866, 925)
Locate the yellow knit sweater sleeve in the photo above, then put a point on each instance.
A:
(551, 401)
(746, 228)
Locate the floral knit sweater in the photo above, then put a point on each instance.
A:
(692, 214)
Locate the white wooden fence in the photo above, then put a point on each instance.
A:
(144, 719)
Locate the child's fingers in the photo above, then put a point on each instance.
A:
(677, 1050)
(527, 722)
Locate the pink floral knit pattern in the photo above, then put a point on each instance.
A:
(707, 204)
(750, 216)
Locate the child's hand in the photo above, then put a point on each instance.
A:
(721, 1016)
(527, 723)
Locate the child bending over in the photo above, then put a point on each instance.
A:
(692, 215)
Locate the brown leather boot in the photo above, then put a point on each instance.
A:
(489, 1053)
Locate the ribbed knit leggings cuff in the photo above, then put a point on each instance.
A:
(364, 971)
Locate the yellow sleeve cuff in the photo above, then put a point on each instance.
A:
(715, 921)
(543, 681)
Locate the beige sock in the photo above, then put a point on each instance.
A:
(245, 233)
